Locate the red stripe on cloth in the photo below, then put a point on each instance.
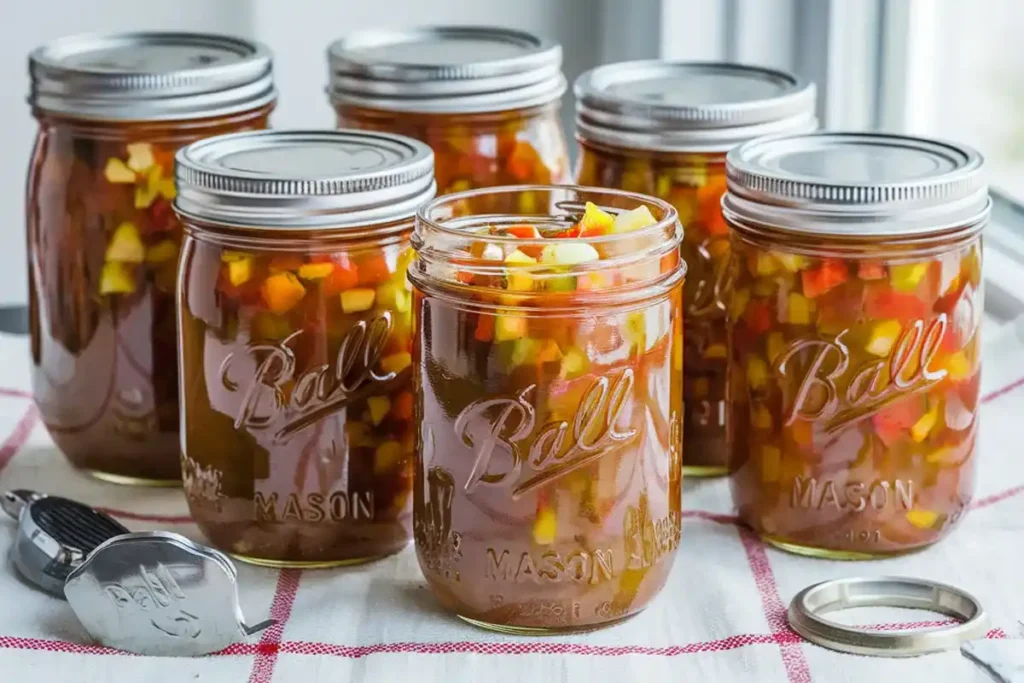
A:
(797, 669)
(40, 644)
(16, 393)
(280, 610)
(143, 517)
(997, 497)
(711, 516)
(22, 431)
(1005, 390)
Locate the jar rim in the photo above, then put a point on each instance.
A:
(436, 224)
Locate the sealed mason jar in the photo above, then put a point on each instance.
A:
(854, 316)
(548, 373)
(103, 240)
(485, 99)
(663, 129)
(296, 340)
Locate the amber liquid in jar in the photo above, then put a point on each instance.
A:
(548, 375)
(854, 389)
(103, 247)
(516, 147)
(694, 185)
(297, 404)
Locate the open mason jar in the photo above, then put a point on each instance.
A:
(485, 99)
(854, 315)
(296, 340)
(548, 373)
(103, 240)
(663, 129)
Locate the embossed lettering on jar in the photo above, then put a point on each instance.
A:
(485, 99)
(296, 342)
(855, 319)
(548, 369)
(103, 240)
(663, 128)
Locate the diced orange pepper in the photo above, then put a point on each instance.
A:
(525, 164)
(343, 276)
(281, 291)
(871, 270)
(816, 281)
(523, 232)
(401, 407)
(893, 421)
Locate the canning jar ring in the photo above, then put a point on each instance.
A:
(806, 610)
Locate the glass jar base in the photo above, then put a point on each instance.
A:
(704, 471)
(542, 630)
(312, 564)
(128, 480)
(830, 553)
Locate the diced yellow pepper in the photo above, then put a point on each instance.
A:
(636, 327)
(116, 278)
(883, 335)
(393, 296)
(162, 252)
(388, 456)
(940, 455)
(116, 171)
(919, 432)
(145, 194)
(922, 519)
(315, 271)
(791, 262)
(545, 526)
(798, 309)
(269, 326)
(775, 346)
(595, 220)
(379, 407)
(738, 303)
(229, 255)
(757, 373)
(716, 351)
(508, 326)
(958, 368)
(907, 276)
(662, 185)
(524, 352)
(574, 362)
(166, 188)
(761, 418)
(357, 299)
(636, 219)
(765, 264)
(396, 362)
(771, 461)
(520, 282)
(239, 271)
(125, 245)
(140, 156)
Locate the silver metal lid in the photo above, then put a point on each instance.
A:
(690, 106)
(807, 608)
(150, 76)
(445, 69)
(857, 184)
(303, 179)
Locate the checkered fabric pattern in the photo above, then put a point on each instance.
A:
(720, 618)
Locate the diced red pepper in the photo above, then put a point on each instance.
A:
(894, 421)
(280, 263)
(484, 328)
(373, 270)
(816, 281)
(758, 316)
(401, 408)
(526, 232)
(882, 302)
(344, 276)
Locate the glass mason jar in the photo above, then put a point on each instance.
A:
(103, 241)
(548, 372)
(485, 99)
(296, 341)
(663, 129)
(854, 318)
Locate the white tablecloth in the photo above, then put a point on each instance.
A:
(721, 617)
